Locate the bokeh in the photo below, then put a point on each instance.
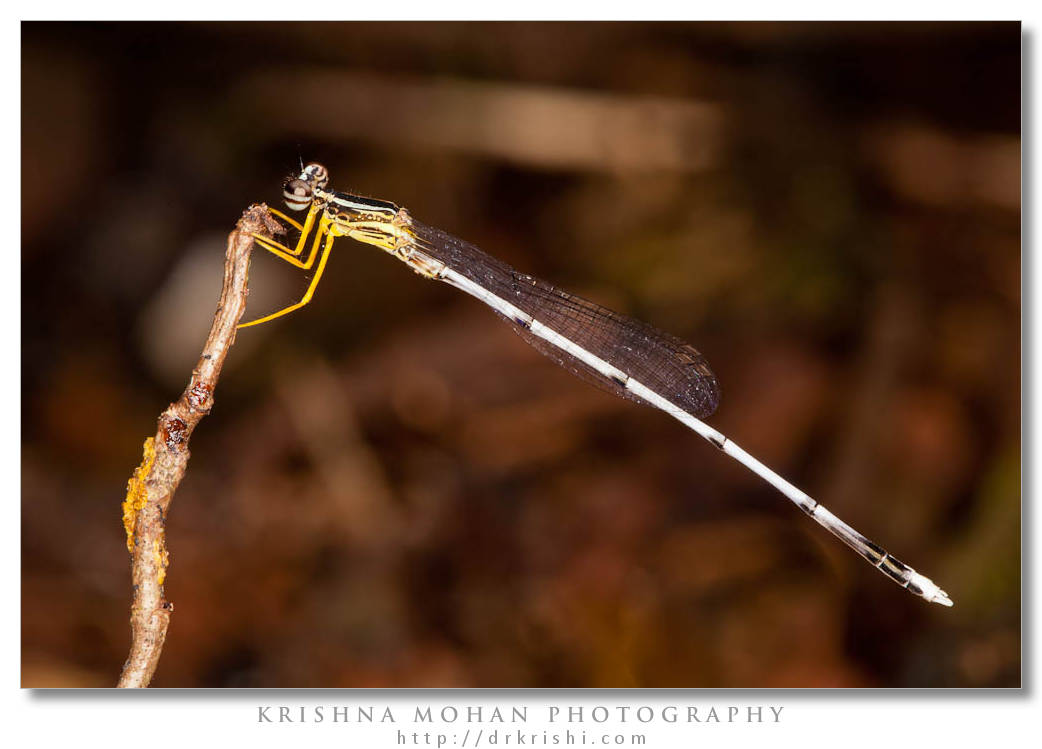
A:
(395, 490)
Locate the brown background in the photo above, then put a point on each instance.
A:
(394, 490)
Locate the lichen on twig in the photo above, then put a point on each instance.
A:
(154, 482)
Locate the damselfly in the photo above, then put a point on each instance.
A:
(620, 354)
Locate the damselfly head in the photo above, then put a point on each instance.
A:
(297, 194)
(300, 191)
(315, 175)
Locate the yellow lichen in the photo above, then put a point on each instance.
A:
(161, 557)
(137, 493)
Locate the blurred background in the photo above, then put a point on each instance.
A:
(393, 489)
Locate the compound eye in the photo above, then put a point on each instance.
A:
(317, 174)
(297, 194)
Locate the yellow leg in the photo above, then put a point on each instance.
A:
(311, 289)
(282, 251)
(305, 229)
(287, 219)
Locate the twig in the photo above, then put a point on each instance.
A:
(166, 457)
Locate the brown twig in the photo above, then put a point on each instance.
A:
(166, 457)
